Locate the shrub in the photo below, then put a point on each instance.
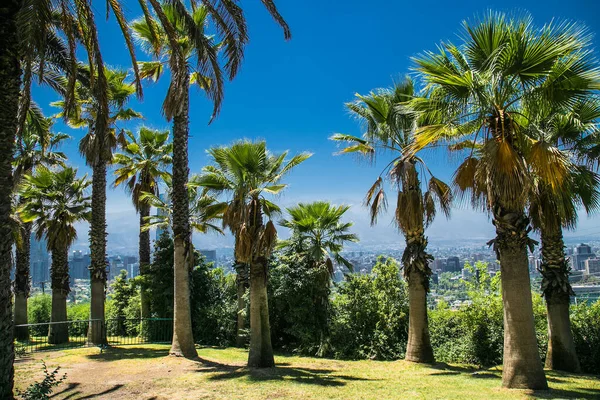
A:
(38, 311)
(474, 334)
(42, 390)
(585, 322)
(370, 314)
(214, 305)
(299, 304)
(78, 312)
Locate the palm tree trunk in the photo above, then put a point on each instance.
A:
(98, 267)
(183, 339)
(22, 283)
(416, 268)
(522, 368)
(417, 272)
(144, 253)
(59, 333)
(261, 350)
(561, 353)
(10, 83)
(241, 281)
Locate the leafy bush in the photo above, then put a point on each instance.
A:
(585, 322)
(78, 312)
(42, 390)
(214, 305)
(212, 296)
(474, 334)
(299, 304)
(123, 318)
(370, 314)
(38, 311)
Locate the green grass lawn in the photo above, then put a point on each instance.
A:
(145, 372)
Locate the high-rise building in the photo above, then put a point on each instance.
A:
(439, 264)
(131, 266)
(210, 255)
(116, 265)
(39, 260)
(582, 252)
(79, 264)
(592, 266)
(453, 264)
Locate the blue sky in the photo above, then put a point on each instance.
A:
(292, 93)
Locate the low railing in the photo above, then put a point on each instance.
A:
(114, 331)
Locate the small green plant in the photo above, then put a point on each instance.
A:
(42, 390)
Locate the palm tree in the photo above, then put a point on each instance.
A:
(550, 212)
(478, 93)
(142, 164)
(98, 152)
(319, 235)
(10, 81)
(318, 232)
(36, 146)
(390, 126)
(246, 171)
(205, 210)
(29, 35)
(179, 37)
(54, 202)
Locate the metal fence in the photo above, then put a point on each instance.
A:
(115, 331)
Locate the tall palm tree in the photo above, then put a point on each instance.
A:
(390, 126)
(246, 171)
(54, 202)
(10, 81)
(98, 152)
(36, 146)
(28, 29)
(141, 165)
(318, 232)
(551, 212)
(179, 37)
(478, 92)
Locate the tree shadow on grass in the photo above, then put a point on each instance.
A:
(120, 353)
(98, 395)
(70, 386)
(78, 395)
(311, 376)
(577, 393)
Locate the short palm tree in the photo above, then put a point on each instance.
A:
(390, 127)
(478, 94)
(319, 233)
(98, 152)
(245, 172)
(141, 165)
(54, 201)
(179, 35)
(552, 211)
(36, 145)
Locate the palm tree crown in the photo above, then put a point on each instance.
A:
(205, 210)
(246, 171)
(143, 162)
(318, 232)
(55, 201)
